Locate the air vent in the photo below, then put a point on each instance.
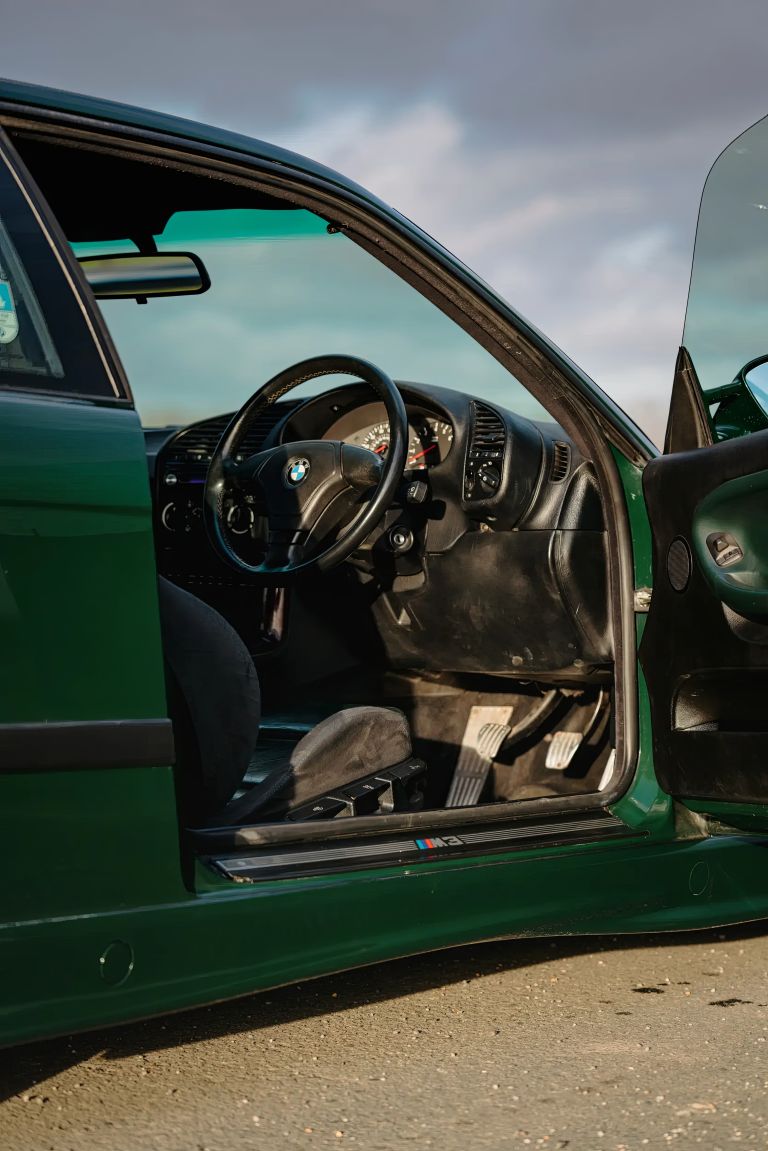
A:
(484, 469)
(199, 441)
(488, 430)
(561, 462)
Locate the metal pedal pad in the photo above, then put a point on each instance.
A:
(562, 748)
(490, 739)
(486, 730)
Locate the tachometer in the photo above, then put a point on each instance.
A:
(431, 441)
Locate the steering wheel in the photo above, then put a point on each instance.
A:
(308, 487)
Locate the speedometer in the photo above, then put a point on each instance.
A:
(375, 439)
(429, 440)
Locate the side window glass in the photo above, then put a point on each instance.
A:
(46, 341)
(725, 325)
(26, 347)
(284, 286)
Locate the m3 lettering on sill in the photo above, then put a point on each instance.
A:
(433, 844)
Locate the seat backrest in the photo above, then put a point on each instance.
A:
(214, 700)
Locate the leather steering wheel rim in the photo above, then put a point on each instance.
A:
(224, 473)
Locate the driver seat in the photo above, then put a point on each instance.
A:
(214, 703)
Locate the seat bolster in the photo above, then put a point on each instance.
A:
(213, 696)
(346, 746)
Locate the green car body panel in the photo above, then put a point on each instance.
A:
(86, 517)
(101, 922)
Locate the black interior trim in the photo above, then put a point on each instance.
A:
(436, 821)
(707, 671)
(97, 744)
(688, 425)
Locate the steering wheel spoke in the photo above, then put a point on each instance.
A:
(310, 487)
(243, 475)
(285, 549)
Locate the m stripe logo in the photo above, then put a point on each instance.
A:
(433, 844)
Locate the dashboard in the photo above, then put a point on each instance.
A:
(490, 558)
(476, 464)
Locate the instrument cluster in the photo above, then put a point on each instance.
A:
(430, 439)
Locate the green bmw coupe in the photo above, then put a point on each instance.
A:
(341, 616)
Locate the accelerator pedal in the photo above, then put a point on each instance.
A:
(562, 748)
(487, 729)
(564, 744)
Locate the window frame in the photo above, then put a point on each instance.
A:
(86, 351)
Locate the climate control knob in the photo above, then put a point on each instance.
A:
(170, 518)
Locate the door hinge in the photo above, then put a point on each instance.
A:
(643, 598)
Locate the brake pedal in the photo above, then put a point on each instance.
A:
(562, 748)
(491, 737)
(486, 730)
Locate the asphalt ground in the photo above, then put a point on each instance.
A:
(623, 1044)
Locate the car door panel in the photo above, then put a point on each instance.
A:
(730, 538)
(85, 742)
(705, 648)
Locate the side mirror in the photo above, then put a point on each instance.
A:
(134, 276)
(754, 376)
(742, 405)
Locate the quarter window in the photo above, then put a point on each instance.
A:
(26, 347)
(46, 342)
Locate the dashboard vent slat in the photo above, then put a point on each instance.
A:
(488, 429)
(199, 441)
(561, 462)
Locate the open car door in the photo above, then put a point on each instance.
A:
(704, 650)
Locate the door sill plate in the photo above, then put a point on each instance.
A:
(357, 853)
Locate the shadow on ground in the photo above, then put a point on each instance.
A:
(34, 1063)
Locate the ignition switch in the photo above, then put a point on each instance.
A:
(400, 538)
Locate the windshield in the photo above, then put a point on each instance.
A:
(284, 287)
(727, 318)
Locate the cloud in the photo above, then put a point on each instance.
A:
(591, 253)
(558, 148)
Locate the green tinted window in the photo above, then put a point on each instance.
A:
(284, 288)
(727, 318)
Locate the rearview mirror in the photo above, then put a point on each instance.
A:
(134, 276)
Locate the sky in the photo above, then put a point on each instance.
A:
(559, 147)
